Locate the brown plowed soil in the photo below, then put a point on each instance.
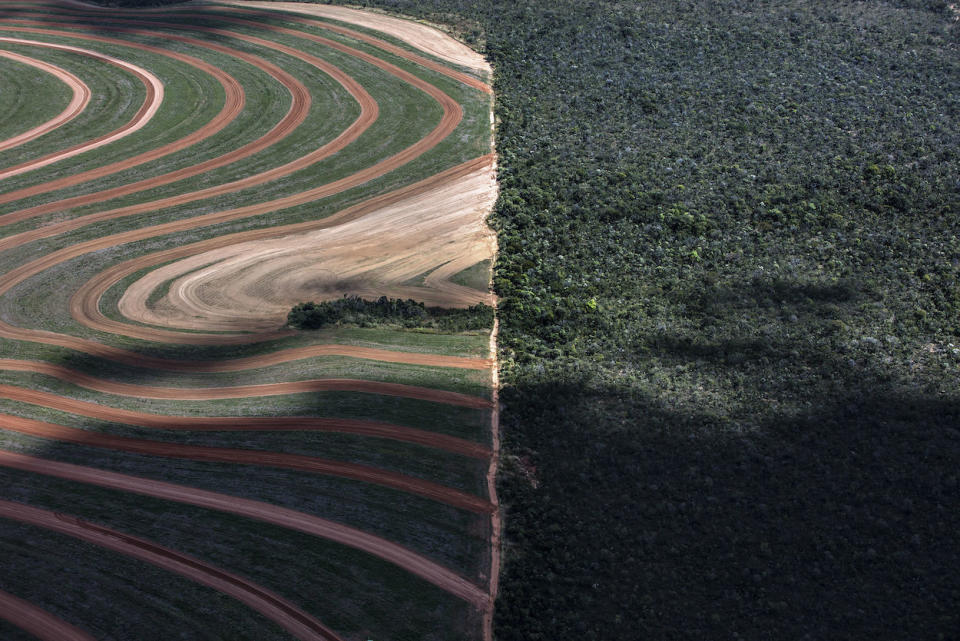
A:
(247, 423)
(84, 307)
(78, 102)
(39, 623)
(243, 391)
(151, 103)
(284, 517)
(299, 462)
(291, 618)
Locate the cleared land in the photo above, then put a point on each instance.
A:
(244, 160)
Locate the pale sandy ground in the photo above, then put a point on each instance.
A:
(251, 286)
(427, 39)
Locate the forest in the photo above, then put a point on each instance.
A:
(729, 315)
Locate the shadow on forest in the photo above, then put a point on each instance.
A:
(837, 517)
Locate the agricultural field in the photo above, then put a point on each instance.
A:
(176, 461)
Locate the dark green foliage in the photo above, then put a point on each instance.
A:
(354, 310)
(729, 303)
(729, 317)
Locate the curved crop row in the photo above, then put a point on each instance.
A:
(376, 146)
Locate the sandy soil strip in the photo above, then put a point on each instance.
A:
(298, 112)
(478, 64)
(261, 458)
(233, 105)
(376, 429)
(78, 101)
(428, 39)
(84, 305)
(147, 111)
(288, 616)
(93, 348)
(39, 623)
(284, 517)
(466, 79)
(251, 286)
(243, 391)
(449, 121)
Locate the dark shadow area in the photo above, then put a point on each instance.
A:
(635, 521)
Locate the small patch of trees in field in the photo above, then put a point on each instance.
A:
(353, 310)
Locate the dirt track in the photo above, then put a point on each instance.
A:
(78, 102)
(235, 100)
(285, 517)
(151, 103)
(299, 462)
(247, 251)
(247, 423)
(294, 620)
(37, 622)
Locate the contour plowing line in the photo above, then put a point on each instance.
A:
(79, 100)
(299, 109)
(274, 607)
(37, 621)
(374, 429)
(233, 105)
(144, 115)
(260, 458)
(266, 512)
(84, 303)
(244, 391)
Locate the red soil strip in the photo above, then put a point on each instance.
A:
(244, 391)
(151, 103)
(461, 77)
(298, 112)
(78, 102)
(15, 276)
(283, 517)
(37, 622)
(374, 429)
(283, 13)
(233, 105)
(298, 462)
(291, 618)
(451, 118)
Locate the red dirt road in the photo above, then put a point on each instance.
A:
(298, 462)
(291, 618)
(235, 100)
(38, 622)
(244, 391)
(78, 102)
(374, 429)
(149, 108)
(284, 517)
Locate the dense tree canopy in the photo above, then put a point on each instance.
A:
(730, 315)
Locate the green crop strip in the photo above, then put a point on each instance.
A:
(29, 97)
(353, 593)
(101, 582)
